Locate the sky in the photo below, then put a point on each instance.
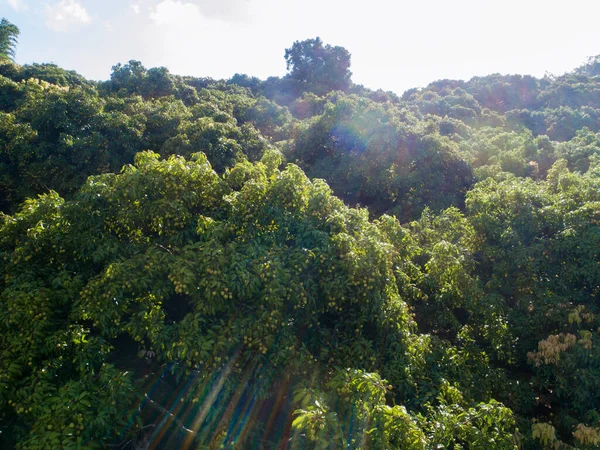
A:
(395, 44)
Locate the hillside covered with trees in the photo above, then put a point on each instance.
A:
(298, 262)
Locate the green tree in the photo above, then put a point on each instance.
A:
(382, 157)
(232, 290)
(157, 82)
(318, 68)
(591, 67)
(127, 77)
(539, 260)
(52, 74)
(8, 39)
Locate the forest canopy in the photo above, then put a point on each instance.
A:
(297, 262)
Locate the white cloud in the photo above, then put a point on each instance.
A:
(62, 15)
(136, 8)
(180, 28)
(226, 10)
(17, 5)
(170, 12)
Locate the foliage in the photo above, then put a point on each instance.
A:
(380, 156)
(168, 282)
(318, 68)
(8, 39)
(543, 237)
(260, 272)
(64, 129)
(52, 74)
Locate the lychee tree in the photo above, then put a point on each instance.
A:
(169, 305)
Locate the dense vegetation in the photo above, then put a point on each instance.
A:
(298, 262)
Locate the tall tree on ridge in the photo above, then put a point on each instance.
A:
(318, 68)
